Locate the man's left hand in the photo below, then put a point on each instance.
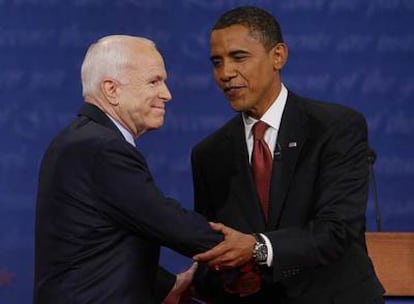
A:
(183, 283)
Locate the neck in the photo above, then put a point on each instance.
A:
(109, 109)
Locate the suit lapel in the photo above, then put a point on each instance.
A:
(242, 180)
(291, 138)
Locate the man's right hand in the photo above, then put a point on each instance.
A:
(234, 251)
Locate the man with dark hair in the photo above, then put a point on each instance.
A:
(290, 170)
(261, 24)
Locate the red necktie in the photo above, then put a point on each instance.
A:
(262, 165)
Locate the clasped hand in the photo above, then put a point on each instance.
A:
(235, 250)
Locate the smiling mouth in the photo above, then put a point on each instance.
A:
(232, 90)
(158, 107)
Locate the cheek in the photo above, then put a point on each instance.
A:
(149, 95)
(247, 74)
(216, 77)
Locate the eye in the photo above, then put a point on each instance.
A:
(215, 62)
(154, 82)
(239, 57)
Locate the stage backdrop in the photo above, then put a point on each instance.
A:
(352, 52)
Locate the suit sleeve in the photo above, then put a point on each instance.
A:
(132, 200)
(201, 202)
(337, 216)
(207, 283)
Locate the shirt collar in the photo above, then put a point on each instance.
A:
(127, 135)
(272, 116)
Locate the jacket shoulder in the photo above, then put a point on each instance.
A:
(326, 113)
(218, 140)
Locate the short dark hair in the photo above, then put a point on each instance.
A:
(261, 24)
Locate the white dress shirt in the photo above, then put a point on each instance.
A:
(272, 117)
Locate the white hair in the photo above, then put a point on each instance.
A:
(108, 57)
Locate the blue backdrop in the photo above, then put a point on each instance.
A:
(357, 53)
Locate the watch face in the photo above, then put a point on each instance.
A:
(260, 252)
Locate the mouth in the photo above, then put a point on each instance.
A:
(158, 107)
(232, 91)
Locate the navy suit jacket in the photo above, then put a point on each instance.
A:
(100, 220)
(317, 203)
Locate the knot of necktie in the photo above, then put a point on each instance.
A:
(259, 130)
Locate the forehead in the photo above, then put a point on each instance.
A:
(233, 38)
(148, 61)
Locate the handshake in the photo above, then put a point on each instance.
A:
(233, 258)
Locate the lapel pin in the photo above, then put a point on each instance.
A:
(292, 144)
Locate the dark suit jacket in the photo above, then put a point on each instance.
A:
(317, 203)
(101, 220)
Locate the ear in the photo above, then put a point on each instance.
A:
(280, 55)
(109, 88)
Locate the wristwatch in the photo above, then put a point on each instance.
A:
(259, 250)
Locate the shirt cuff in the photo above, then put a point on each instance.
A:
(269, 261)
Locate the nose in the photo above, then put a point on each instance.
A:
(165, 93)
(226, 71)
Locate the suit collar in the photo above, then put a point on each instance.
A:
(293, 123)
(94, 113)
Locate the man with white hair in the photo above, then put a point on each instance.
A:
(100, 218)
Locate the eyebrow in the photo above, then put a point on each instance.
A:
(156, 77)
(232, 54)
(238, 52)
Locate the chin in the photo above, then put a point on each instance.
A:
(157, 124)
(238, 107)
